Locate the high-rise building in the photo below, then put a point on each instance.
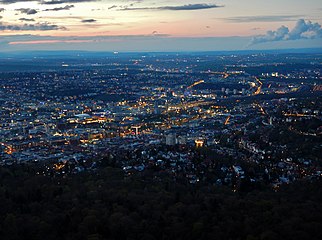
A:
(157, 110)
(170, 139)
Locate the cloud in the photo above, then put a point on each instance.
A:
(2, 9)
(271, 36)
(305, 29)
(111, 7)
(46, 2)
(269, 18)
(67, 7)
(31, 27)
(11, 1)
(88, 21)
(53, 2)
(28, 11)
(8, 1)
(302, 30)
(186, 7)
(27, 19)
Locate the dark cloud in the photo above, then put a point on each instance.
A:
(88, 21)
(8, 1)
(28, 11)
(31, 27)
(111, 7)
(67, 7)
(186, 7)
(53, 2)
(191, 7)
(272, 18)
(15, 1)
(62, 17)
(27, 19)
(47, 2)
(302, 30)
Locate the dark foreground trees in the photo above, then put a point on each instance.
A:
(104, 205)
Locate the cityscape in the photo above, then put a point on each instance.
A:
(160, 120)
(171, 123)
(236, 120)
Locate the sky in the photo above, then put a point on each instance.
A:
(152, 25)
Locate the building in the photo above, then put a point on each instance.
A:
(170, 139)
(199, 142)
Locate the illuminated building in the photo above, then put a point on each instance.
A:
(136, 129)
(199, 143)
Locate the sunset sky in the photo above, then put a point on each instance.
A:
(151, 25)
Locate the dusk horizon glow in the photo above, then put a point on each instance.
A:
(159, 25)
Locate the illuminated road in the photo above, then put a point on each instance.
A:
(196, 83)
(227, 120)
(9, 149)
(259, 88)
(262, 110)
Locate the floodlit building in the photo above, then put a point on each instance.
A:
(199, 142)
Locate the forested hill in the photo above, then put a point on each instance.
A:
(104, 205)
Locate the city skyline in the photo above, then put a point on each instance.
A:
(148, 25)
